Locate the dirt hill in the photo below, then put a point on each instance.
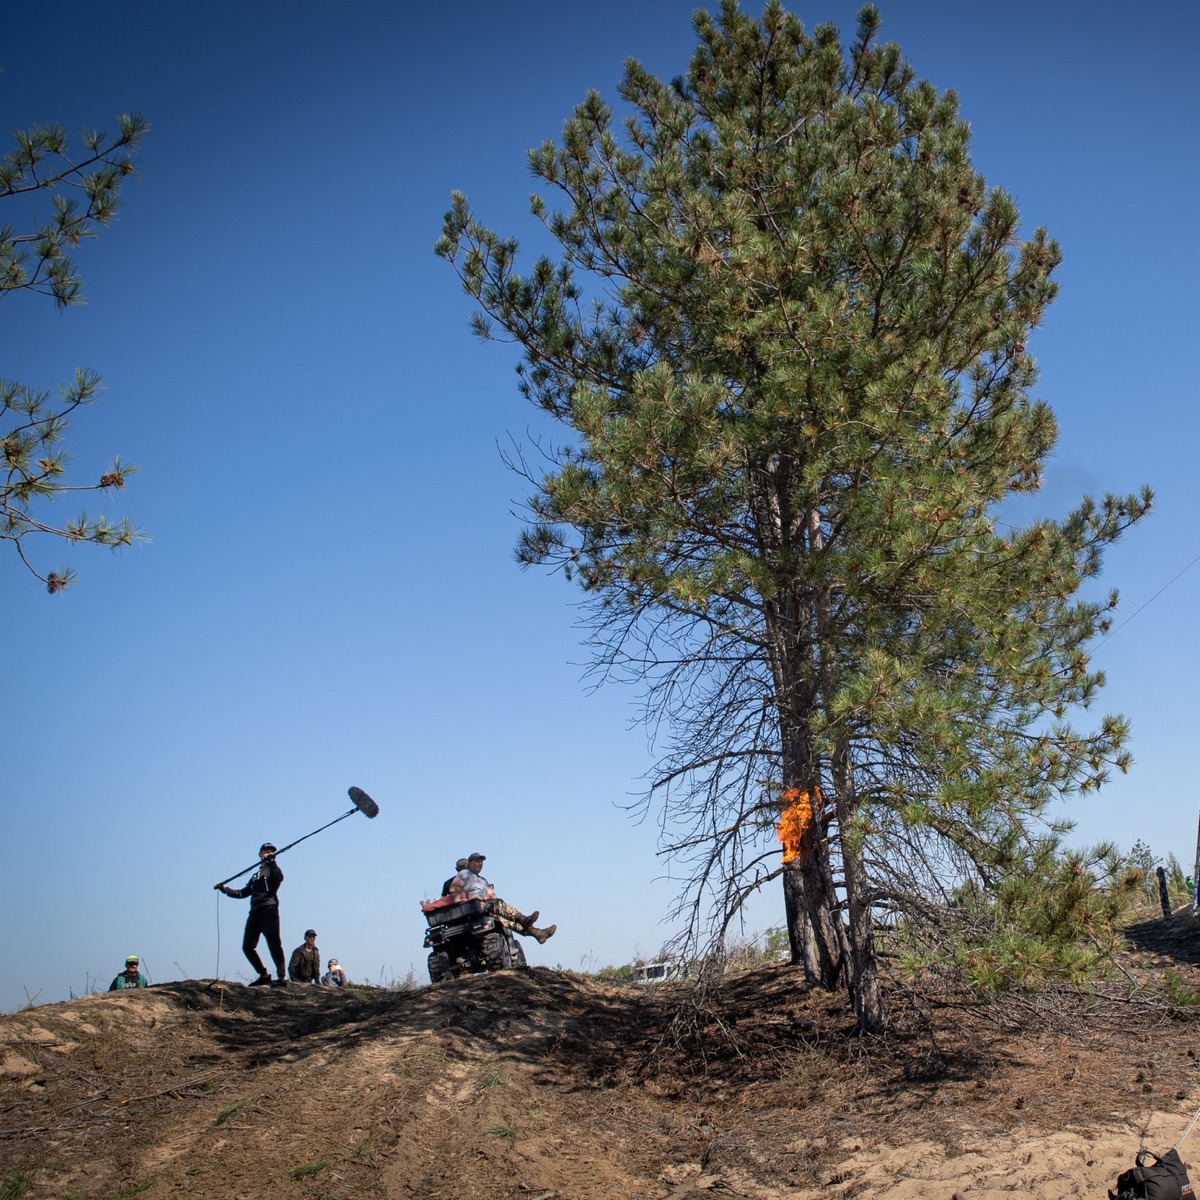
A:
(549, 1086)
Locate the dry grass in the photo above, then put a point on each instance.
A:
(560, 1083)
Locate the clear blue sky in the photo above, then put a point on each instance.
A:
(330, 596)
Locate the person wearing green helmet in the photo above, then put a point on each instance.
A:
(131, 977)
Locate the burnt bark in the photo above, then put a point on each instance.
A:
(801, 939)
(862, 974)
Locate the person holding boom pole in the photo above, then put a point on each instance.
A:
(263, 890)
(263, 919)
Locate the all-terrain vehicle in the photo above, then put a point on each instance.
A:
(465, 937)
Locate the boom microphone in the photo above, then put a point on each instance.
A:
(362, 803)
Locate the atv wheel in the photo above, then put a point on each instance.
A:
(496, 954)
(518, 957)
(439, 967)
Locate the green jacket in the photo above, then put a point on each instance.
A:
(125, 980)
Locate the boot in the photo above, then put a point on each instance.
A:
(526, 923)
(542, 935)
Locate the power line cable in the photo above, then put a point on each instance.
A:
(1145, 603)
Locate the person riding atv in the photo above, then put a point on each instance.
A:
(471, 929)
(471, 885)
(468, 936)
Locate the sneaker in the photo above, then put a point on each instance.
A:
(279, 983)
(261, 981)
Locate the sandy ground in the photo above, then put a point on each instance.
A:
(555, 1087)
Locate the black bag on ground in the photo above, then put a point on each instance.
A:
(1166, 1179)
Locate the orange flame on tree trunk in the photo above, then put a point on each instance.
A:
(794, 821)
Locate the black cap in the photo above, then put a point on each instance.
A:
(310, 933)
(476, 855)
(268, 847)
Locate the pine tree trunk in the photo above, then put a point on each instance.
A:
(816, 931)
(863, 973)
(800, 932)
(863, 979)
(814, 924)
(826, 918)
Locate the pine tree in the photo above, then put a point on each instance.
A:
(787, 338)
(84, 194)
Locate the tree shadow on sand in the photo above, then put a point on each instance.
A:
(1177, 938)
(529, 1016)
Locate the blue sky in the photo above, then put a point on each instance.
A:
(330, 596)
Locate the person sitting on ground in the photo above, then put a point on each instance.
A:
(470, 884)
(458, 866)
(305, 963)
(335, 976)
(131, 977)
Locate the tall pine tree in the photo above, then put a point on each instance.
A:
(788, 335)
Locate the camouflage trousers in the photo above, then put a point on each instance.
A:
(508, 914)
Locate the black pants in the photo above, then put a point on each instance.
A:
(264, 922)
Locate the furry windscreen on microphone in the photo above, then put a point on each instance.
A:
(363, 802)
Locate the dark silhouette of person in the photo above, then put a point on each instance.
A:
(263, 921)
